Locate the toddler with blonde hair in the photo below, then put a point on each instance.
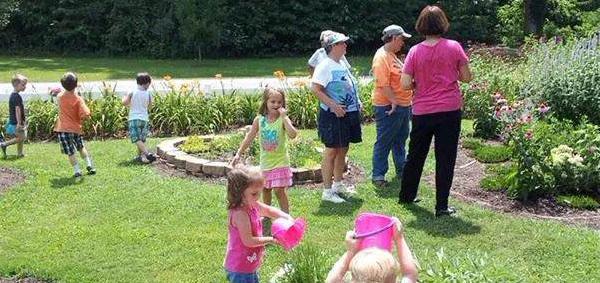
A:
(372, 265)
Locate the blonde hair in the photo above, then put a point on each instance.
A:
(264, 110)
(238, 180)
(374, 265)
(17, 79)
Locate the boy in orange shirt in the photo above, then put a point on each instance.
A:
(392, 106)
(72, 110)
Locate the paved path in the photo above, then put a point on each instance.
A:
(206, 85)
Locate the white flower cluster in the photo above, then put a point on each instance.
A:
(563, 155)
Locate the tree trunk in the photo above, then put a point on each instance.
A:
(535, 14)
(199, 54)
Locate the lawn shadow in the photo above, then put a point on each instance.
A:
(62, 182)
(131, 163)
(391, 191)
(345, 208)
(12, 158)
(447, 227)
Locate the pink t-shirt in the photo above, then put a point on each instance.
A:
(435, 71)
(240, 258)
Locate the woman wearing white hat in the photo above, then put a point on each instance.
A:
(339, 116)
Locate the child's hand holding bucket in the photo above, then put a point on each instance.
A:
(351, 242)
(288, 232)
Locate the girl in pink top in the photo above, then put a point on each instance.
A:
(245, 243)
(433, 68)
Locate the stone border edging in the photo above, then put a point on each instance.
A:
(169, 151)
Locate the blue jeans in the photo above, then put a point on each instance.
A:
(236, 277)
(392, 132)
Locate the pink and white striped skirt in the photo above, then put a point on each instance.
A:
(278, 178)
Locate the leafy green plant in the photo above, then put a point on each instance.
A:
(471, 143)
(474, 267)
(303, 152)
(566, 77)
(492, 153)
(307, 264)
(578, 201)
(497, 177)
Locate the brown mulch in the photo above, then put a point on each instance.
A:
(468, 173)
(8, 178)
(354, 175)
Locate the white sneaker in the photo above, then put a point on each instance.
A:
(349, 190)
(330, 195)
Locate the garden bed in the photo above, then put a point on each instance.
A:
(468, 174)
(204, 157)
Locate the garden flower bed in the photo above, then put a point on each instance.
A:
(209, 155)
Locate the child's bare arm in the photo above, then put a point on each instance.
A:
(84, 111)
(407, 263)
(18, 111)
(272, 212)
(247, 141)
(336, 274)
(242, 222)
(291, 131)
(127, 99)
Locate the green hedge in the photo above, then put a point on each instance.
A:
(185, 28)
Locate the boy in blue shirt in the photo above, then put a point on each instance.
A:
(15, 127)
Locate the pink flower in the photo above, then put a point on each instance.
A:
(497, 95)
(526, 118)
(54, 91)
(501, 101)
(543, 108)
(529, 135)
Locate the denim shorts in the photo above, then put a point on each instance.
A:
(236, 277)
(337, 132)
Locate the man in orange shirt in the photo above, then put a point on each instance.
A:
(72, 111)
(392, 106)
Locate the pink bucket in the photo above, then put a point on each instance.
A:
(288, 233)
(374, 230)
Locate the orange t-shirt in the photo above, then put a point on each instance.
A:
(387, 73)
(71, 113)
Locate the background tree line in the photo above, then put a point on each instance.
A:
(219, 28)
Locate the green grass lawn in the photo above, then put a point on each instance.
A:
(48, 69)
(129, 224)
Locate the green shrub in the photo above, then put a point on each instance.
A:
(495, 77)
(578, 201)
(181, 111)
(566, 77)
(306, 264)
(303, 107)
(497, 177)
(471, 143)
(492, 183)
(555, 158)
(492, 153)
(41, 116)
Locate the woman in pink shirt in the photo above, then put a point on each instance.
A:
(433, 69)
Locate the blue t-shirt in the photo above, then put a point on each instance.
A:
(339, 84)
